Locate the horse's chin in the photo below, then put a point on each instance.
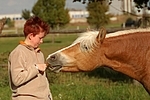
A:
(55, 68)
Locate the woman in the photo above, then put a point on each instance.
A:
(26, 64)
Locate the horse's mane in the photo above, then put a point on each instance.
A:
(88, 38)
(123, 32)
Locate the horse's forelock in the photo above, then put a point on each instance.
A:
(87, 39)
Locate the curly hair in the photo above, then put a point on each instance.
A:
(35, 25)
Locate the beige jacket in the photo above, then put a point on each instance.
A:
(26, 82)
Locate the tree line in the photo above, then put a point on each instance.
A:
(55, 13)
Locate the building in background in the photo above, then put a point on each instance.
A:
(78, 16)
(118, 7)
(17, 18)
(127, 6)
(115, 7)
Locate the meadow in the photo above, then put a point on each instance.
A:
(99, 84)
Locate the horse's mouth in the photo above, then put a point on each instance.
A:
(55, 68)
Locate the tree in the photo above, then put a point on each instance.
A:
(141, 3)
(52, 11)
(97, 14)
(9, 22)
(2, 23)
(26, 14)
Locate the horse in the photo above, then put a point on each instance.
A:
(126, 51)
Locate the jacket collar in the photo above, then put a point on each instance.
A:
(29, 47)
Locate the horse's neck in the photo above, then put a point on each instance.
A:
(124, 54)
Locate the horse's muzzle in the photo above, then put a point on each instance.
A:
(54, 63)
(54, 68)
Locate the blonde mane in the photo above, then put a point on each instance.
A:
(88, 38)
(118, 33)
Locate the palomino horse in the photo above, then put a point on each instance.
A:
(125, 51)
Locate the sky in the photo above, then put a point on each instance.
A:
(16, 6)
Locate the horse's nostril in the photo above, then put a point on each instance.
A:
(53, 57)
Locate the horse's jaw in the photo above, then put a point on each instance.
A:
(62, 66)
(60, 62)
(59, 68)
(54, 68)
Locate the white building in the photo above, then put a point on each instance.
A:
(17, 18)
(78, 16)
(75, 17)
(12, 16)
(127, 5)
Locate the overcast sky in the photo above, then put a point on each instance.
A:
(16, 6)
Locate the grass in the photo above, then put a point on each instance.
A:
(7, 44)
(100, 91)
(71, 86)
(5, 93)
(81, 89)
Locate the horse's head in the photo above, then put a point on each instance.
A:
(82, 55)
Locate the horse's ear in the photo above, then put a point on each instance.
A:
(101, 35)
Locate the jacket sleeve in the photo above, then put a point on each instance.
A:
(19, 71)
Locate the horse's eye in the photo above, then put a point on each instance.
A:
(85, 47)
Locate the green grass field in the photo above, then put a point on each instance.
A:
(71, 86)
